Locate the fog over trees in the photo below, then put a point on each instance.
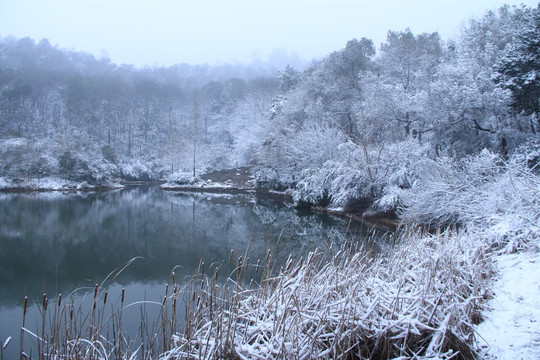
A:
(352, 126)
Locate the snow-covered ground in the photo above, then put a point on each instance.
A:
(511, 329)
(50, 183)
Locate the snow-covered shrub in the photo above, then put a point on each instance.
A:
(528, 153)
(312, 188)
(348, 185)
(268, 178)
(398, 166)
(66, 163)
(135, 170)
(447, 190)
(78, 167)
(292, 148)
(81, 159)
(70, 156)
(483, 192)
(102, 171)
(182, 178)
(335, 182)
(391, 198)
(43, 166)
(363, 174)
(277, 105)
(16, 157)
(109, 154)
(509, 206)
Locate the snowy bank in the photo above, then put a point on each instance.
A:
(52, 184)
(498, 201)
(511, 329)
(229, 181)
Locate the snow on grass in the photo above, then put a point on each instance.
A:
(512, 326)
(417, 302)
(499, 202)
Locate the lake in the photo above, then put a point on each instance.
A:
(65, 243)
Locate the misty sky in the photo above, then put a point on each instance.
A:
(165, 32)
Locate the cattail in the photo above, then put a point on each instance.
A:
(44, 301)
(166, 289)
(289, 265)
(59, 300)
(202, 268)
(122, 298)
(239, 262)
(105, 298)
(247, 262)
(173, 277)
(258, 265)
(164, 300)
(25, 305)
(230, 256)
(95, 291)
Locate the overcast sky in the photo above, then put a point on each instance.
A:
(165, 32)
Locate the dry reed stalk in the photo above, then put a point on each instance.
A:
(69, 331)
(415, 302)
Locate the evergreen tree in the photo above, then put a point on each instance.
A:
(519, 69)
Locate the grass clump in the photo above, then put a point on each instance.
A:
(90, 324)
(420, 301)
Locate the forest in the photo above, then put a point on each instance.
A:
(351, 128)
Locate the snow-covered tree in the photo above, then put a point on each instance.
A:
(519, 68)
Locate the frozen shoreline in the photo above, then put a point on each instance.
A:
(53, 184)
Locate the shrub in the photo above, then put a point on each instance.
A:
(183, 178)
(479, 191)
(41, 167)
(66, 163)
(109, 154)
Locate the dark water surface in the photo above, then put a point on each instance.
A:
(57, 243)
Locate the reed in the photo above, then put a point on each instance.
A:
(418, 299)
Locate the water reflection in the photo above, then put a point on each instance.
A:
(56, 242)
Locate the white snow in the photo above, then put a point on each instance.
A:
(48, 183)
(512, 327)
